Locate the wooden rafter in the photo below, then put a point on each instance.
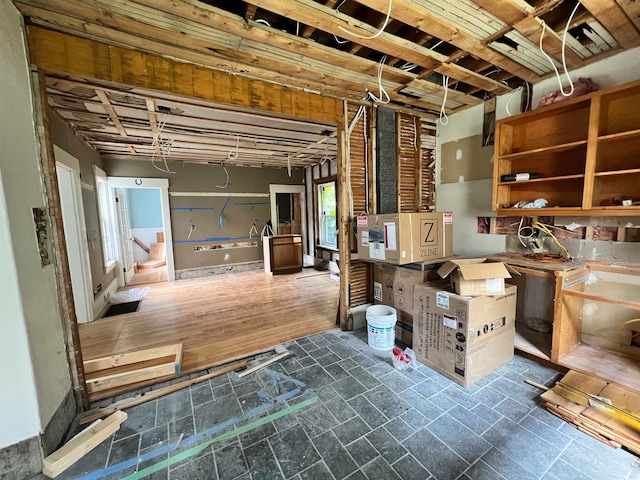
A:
(613, 18)
(114, 116)
(312, 13)
(410, 12)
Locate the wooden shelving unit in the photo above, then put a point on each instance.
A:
(593, 304)
(586, 152)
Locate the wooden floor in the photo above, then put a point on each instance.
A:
(218, 318)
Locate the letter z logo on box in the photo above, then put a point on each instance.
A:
(429, 232)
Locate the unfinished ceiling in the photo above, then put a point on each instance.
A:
(341, 48)
(140, 125)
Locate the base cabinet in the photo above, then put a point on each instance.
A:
(282, 254)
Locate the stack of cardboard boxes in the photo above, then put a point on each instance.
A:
(463, 328)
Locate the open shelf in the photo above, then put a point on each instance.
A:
(604, 363)
(618, 172)
(545, 179)
(619, 136)
(550, 149)
(586, 153)
(534, 343)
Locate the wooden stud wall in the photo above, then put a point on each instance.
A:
(428, 167)
(50, 51)
(359, 272)
(416, 165)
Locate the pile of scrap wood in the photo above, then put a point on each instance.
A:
(605, 411)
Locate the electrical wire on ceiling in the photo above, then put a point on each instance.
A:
(233, 154)
(564, 60)
(382, 93)
(263, 22)
(326, 157)
(384, 25)
(289, 164)
(161, 147)
(226, 184)
(444, 120)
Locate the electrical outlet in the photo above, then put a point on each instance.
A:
(97, 290)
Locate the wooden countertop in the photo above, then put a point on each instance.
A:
(520, 260)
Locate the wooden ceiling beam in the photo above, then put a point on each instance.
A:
(524, 19)
(411, 13)
(317, 15)
(113, 115)
(321, 77)
(66, 85)
(612, 17)
(308, 30)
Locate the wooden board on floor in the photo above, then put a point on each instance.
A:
(76, 448)
(607, 412)
(128, 368)
(217, 319)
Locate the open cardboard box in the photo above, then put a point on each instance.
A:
(476, 276)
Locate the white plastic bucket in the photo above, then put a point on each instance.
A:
(381, 327)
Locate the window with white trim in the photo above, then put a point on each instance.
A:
(107, 220)
(327, 227)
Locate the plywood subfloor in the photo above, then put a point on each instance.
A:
(218, 318)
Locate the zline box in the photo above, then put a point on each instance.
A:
(463, 338)
(402, 238)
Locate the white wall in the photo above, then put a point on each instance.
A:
(35, 376)
(621, 68)
(469, 200)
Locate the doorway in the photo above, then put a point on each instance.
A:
(75, 232)
(288, 212)
(147, 234)
(144, 228)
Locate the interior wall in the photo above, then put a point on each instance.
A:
(458, 148)
(202, 238)
(35, 376)
(64, 137)
(464, 169)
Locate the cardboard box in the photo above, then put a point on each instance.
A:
(404, 330)
(463, 338)
(475, 276)
(393, 285)
(402, 238)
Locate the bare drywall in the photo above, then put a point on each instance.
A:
(468, 199)
(221, 224)
(64, 137)
(465, 160)
(35, 378)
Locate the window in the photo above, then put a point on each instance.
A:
(327, 215)
(107, 220)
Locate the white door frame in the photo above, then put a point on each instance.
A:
(75, 232)
(273, 190)
(163, 185)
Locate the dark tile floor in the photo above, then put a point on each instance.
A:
(336, 409)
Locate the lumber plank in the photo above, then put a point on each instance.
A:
(160, 393)
(129, 358)
(63, 458)
(264, 364)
